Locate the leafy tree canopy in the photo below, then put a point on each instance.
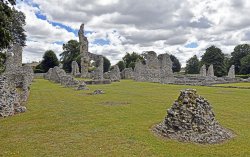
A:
(49, 61)
(176, 65)
(71, 52)
(214, 55)
(192, 66)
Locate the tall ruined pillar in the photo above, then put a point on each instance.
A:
(14, 58)
(210, 71)
(203, 71)
(231, 72)
(83, 52)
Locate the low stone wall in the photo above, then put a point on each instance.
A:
(39, 75)
(10, 98)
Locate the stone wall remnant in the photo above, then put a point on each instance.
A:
(115, 74)
(75, 69)
(156, 69)
(203, 71)
(86, 57)
(191, 119)
(210, 71)
(14, 77)
(231, 72)
(127, 73)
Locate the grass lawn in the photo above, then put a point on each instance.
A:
(242, 84)
(64, 122)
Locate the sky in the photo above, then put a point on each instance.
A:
(113, 27)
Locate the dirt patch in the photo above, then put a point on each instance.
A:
(114, 103)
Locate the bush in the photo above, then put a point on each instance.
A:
(38, 71)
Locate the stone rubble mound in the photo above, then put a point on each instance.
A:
(191, 119)
(82, 86)
(98, 91)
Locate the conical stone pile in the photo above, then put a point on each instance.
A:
(192, 119)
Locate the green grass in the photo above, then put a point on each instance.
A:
(64, 122)
(242, 84)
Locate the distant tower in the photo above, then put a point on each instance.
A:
(84, 44)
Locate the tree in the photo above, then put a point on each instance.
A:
(11, 25)
(49, 61)
(214, 55)
(16, 27)
(245, 65)
(192, 66)
(121, 65)
(239, 52)
(71, 52)
(176, 65)
(130, 59)
(227, 64)
(106, 64)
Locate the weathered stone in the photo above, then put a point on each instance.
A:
(203, 71)
(82, 86)
(86, 57)
(115, 74)
(192, 119)
(231, 72)
(75, 69)
(98, 91)
(127, 73)
(210, 71)
(157, 69)
(58, 75)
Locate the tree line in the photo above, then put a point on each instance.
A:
(240, 58)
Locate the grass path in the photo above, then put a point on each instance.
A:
(64, 122)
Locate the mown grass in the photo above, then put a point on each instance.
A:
(64, 122)
(242, 84)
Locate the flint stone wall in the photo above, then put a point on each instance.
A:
(156, 69)
(210, 71)
(58, 75)
(231, 72)
(127, 73)
(75, 69)
(203, 71)
(115, 74)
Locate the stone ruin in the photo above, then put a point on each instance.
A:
(156, 69)
(58, 75)
(210, 71)
(231, 72)
(75, 69)
(86, 57)
(14, 83)
(191, 119)
(203, 71)
(206, 77)
(114, 74)
(127, 73)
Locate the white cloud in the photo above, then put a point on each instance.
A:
(159, 25)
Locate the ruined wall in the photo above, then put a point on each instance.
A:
(14, 77)
(203, 71)
(115, 74)
(210, 71)
(127, 73)
(156, 69)
(86, 57)
(231, 72)
(75, 69)
(58, 75)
